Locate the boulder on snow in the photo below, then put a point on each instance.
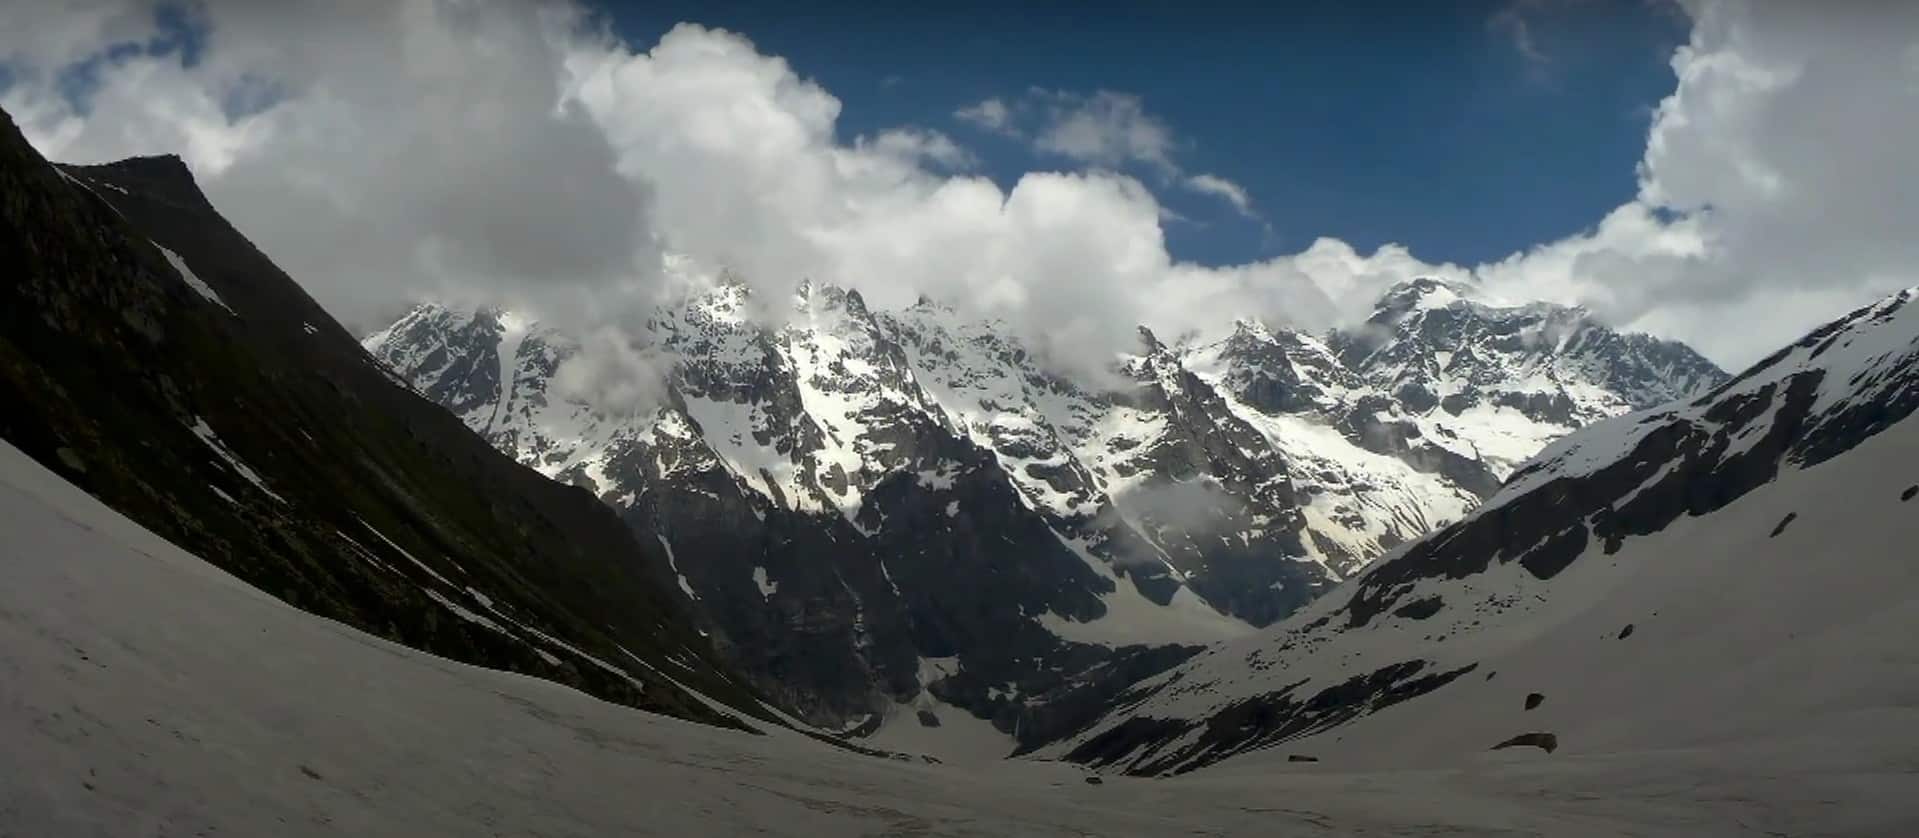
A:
(1783, 523)
(1544, 741)
(1300, 758)
(1420, 609)
(927, 719)
(1534, 700)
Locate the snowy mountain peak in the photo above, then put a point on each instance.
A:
(1422, 293)
(1251, 328)
(1149, 343)
(1275, 371)
(1474, 389)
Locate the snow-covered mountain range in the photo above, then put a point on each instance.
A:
(1701, 575)
(910, 499)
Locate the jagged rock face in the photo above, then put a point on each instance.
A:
(1589, 533)
(854, 492)
(1280, 372)
(1474, 390)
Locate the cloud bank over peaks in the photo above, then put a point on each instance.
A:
(746, 173)
(523, 155)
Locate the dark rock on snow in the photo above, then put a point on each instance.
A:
(1544, 741)
(1783, 523)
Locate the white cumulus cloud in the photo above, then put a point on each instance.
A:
(1103, 129)
(991, 114)
(1223, 189)
(1777, 189)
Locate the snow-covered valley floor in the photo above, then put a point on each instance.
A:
(143, 692)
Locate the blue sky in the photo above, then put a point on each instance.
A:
(1435, 126)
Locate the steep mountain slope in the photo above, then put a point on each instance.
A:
(892, 504)
(1709, 572)
(151, 355)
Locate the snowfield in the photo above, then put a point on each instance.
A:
(147, 693)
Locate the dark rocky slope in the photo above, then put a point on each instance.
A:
(151, 355)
